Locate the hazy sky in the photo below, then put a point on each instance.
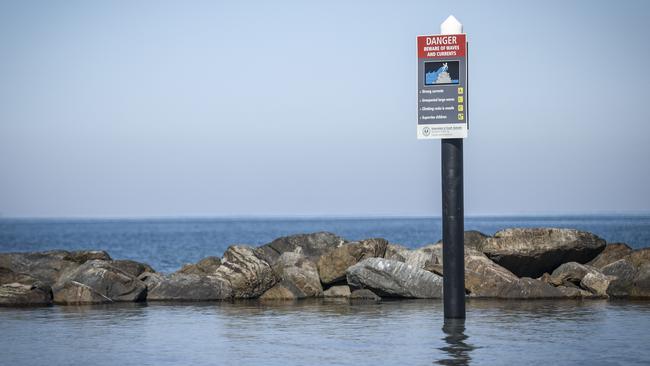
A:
(137, 108)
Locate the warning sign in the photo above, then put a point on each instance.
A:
(442, 86)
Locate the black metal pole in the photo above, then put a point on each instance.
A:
(453, 227)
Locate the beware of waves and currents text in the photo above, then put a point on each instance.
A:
(441, 46)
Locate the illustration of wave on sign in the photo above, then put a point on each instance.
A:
(439, 76)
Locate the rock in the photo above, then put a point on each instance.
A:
(610, 254)
(569, 274)
(97, 281)
(426, 257)
(83, 256)
(205, 266)
(248, 275)
(133, 268)
(528, 288)
(311, 245)
(337, 291)
(284, 290)
(571, 292)
(622, 269)
(48, 266)
(473, 239)
(596, 282)
(185, 287)
(364, 294)
(391, 278)
(640, 257)
(301, 273)
(17, 289)
(333, 264)
(484, 278)
(531, 252)
(641, 282)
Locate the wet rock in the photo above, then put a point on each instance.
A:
(48, 266)
(248, 275)
(337, 291)
(204, 267)
(528, 288)
(333, 264)
(531, 252)
(133, 268)
(596, 282)
(610, 254)
(17, 289)
(301, 273)
(364, 294)
(311, 245)
(390, 278)
(97, 281)
(185, 287)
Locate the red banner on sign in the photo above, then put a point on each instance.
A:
(442, 46)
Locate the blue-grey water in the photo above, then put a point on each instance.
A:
(312, 332)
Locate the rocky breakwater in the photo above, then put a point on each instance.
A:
(511, 264)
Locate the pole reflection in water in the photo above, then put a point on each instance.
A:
(457, 349)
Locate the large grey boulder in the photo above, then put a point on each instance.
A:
(17, 289)
(185, 287)
(97, 281)
(597, 283)
(248, 276)
(49, 265)
(333, 264)
(204, 267)
(532, 252)
(390, 278)
(610, 254)
(632, 275)
(311, 245)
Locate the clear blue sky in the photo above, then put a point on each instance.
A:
(112, 109)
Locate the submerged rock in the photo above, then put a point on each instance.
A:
(333, 264)
(98, 281)
(394, 279)
(531, 252)
(364, 294)
(311, 245)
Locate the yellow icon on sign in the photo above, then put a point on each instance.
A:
(461, 116)
(460, 90)
(460, 108)
(461, 99)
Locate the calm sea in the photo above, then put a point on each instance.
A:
(312, 332)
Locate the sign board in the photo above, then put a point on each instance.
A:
(442, 86)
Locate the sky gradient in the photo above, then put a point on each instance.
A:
(161, 109)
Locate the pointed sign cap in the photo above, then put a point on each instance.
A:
(451, 26)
